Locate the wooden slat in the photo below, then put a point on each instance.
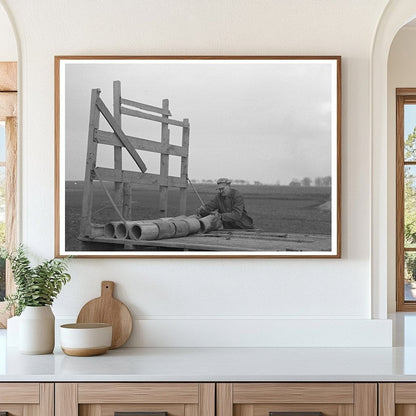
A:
(27, 393)
(86, 211)
(203, 242)
(146, 107)
(119, 133)
(405, 393)
(8, 76)
(138, 393)
(146, 116)
(207, 399)
(8, 105)
(112, 175)
(172, 243)
(184, 168)
(118, 156)
(293, 393)
(66, 399)
(224, 399)
(386, 399)
(164, 164)
(47, 399)
(365, 399)
(109, 138)
(127, 199)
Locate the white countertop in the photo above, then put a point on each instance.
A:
(221, 364)
(215, 364)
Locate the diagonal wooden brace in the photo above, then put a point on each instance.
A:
(119, 133)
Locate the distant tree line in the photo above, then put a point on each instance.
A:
(307, 181)
(235, 181)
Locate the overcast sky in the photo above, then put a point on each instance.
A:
(264, 121)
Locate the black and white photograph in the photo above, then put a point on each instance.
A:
(198, 156)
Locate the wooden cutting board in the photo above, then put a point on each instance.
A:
(108, 310)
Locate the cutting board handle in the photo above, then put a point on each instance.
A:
(107, 289)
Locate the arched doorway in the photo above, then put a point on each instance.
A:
(401, 123)
(396, 15)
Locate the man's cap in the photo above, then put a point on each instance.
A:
(223, 180)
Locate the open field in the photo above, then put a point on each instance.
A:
(281, 209)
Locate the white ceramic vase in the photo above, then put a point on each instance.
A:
(37, 330)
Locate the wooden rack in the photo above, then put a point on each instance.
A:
(123, 179)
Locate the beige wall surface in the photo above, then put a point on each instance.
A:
(211, 294)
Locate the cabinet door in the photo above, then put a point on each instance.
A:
(297, 399)
(26, 399)
(142, 399)
(397, 399)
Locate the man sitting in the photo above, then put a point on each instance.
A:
(229, 205)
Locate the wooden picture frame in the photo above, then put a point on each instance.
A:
(141, 142)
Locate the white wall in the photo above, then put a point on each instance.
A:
(212, 301)
(8, 46)
(401, 74)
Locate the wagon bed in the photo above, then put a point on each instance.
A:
(227, 240)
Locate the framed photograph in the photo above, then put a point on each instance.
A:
(198, 156)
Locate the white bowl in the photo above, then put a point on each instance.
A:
(85, 339)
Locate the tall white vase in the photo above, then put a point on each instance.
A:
(37, 330)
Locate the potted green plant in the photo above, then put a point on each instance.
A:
(36, 289)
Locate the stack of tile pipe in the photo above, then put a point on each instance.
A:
(160, 228)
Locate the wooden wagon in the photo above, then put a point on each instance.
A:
(221, 240)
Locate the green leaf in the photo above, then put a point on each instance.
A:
(35, 286)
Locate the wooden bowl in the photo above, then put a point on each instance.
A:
(84, 340)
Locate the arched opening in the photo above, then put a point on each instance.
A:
(401, 124)
(8, 150)
(383, 240)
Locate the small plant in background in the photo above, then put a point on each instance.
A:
(35, 285)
